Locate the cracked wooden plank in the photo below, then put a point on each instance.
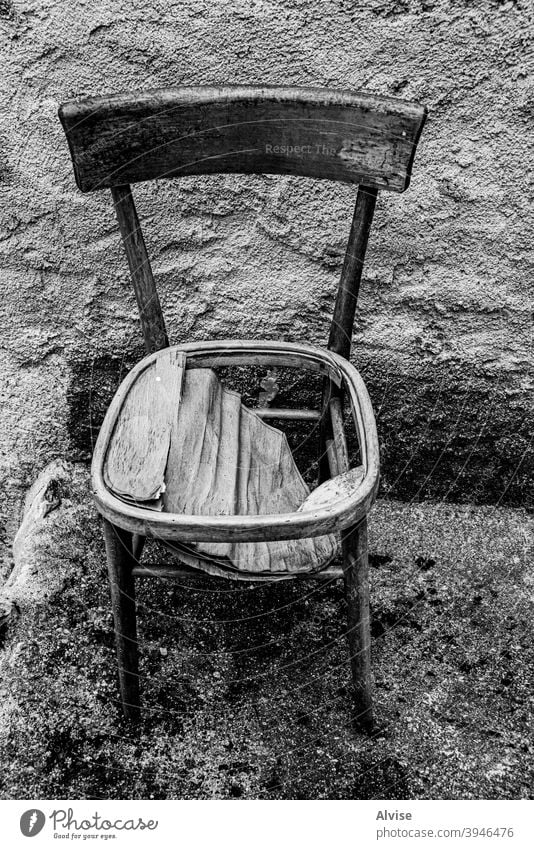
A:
(136, 459)
(225, 460)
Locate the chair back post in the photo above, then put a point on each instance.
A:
(340, 338)
(349, 285)
(152, 321)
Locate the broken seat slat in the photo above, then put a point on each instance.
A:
(225, 460)
(136, 459)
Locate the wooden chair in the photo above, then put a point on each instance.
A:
(179, 458)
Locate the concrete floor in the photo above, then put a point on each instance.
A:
(246, 688)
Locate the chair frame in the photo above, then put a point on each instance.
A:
(121, 139)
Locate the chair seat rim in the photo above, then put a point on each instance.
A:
(330, 518)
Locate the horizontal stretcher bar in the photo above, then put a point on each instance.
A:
(180, 571)
(287, 414)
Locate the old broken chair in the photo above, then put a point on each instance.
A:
(179, 457)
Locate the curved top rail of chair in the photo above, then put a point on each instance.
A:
(253, 528)
(352, 136)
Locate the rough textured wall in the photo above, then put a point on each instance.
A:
(444, 338)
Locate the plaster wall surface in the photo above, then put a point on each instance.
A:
(444, 329)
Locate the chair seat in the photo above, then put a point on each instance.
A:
(184, 444)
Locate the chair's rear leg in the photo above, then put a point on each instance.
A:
(120, 563)
(138, 544)
(325, 433)
(356, 575)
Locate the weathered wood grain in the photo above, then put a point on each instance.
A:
(178, 569)
(331, 457)
(287, 414)
(356, 578)
(252, 356)
(341, 135)
(204, 454)
(224, 460)
(137, 455)
(122, 587)
(340, 486)
(338, 431)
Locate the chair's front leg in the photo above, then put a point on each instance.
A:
(120, 564)
(356, 575)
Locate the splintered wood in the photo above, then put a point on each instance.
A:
(185, 444)
(139, 448)
(332, 490)
(225, 460)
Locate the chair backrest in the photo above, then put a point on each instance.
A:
(116, 140)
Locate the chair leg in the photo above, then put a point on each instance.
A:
(120, 563)
(138, 544)
(325, 433)
(356, 575)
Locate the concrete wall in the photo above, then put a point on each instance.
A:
(445, 326)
